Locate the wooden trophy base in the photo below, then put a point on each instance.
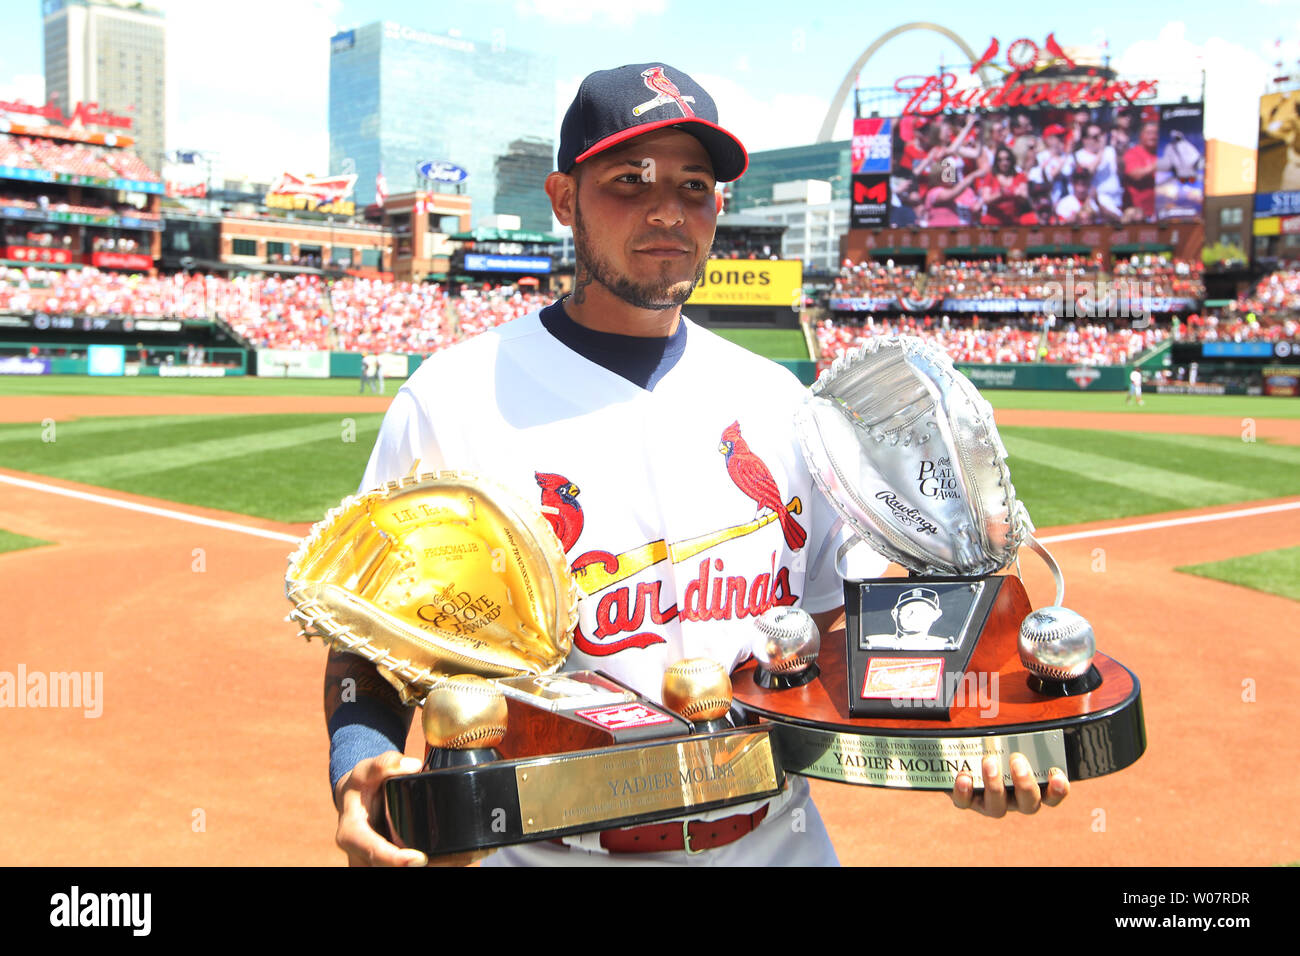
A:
(577, 762)
(996, 711)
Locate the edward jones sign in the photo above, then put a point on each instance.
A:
(750, 282)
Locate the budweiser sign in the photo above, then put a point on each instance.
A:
(1021, 84)
(326, 194)
(326, 190)
(120, 260)
(86, 114)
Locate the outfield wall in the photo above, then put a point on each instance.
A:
(1043, 377)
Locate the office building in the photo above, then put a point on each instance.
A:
(114, 54)
(828, 162)
(400, 97)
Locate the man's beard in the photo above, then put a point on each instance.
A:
(656, 294)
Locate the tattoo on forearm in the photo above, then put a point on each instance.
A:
(349, 677)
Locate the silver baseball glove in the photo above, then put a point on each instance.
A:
(906, 450)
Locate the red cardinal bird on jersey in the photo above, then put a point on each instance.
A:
(754, 479)
(560, 506)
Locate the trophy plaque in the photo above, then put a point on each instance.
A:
(581, 753)
(935, 670)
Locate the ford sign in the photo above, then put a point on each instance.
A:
(441, 171)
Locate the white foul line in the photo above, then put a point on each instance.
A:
(1170, 522)
(150, 510)
(278, 536)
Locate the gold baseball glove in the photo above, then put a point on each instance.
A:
(434, 575)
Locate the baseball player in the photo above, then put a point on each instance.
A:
(1134, 388)
(629, 426)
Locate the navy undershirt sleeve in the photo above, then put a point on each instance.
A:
(642, 361)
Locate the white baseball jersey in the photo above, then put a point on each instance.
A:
(685, 510)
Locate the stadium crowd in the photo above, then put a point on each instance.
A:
(298, 312)
(999, 340)
(73, 159)
(373, 315)
(1015, 278)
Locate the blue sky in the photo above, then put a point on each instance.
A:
(249, 78)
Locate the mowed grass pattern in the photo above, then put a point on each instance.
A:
(282, 467)
(1276, 572)
(12, 541)
(1070, 476)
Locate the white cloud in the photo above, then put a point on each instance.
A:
(1235, 77)
(769, 121)
(587, 11)
(251, 84)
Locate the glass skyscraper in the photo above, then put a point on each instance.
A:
(400, 97)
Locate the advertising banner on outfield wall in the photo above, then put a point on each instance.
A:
(750, 282)
(286, 363)
(106, 360)
(1282, 380)
(1035, 375)
(16, 365)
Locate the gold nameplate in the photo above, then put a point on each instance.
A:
(557, 793)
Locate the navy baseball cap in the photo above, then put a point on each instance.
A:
(613, 106)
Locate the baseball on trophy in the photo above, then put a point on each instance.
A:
(464, 713)
(1057, 646)
(786, 643)
(697, 689)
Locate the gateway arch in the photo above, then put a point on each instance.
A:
(837, 104)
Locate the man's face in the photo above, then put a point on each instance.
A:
(644, 217)
(915, 617)
(1092, 138)
(1150, 136)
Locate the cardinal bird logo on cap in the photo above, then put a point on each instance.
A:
(755, 480)
(665, 91)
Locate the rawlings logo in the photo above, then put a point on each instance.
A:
(906, 515)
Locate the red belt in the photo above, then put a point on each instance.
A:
(693, 836)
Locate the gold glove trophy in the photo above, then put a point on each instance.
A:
(459, 592)
(940, 668)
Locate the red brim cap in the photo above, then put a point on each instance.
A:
(613, 106)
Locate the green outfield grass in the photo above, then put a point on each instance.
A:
(9, 541)
(151, 385)
(282, 467)
(1242, 406)
(1068, 476)
(769, 343)
(773, 343)
(1275, 572)
(294, 467)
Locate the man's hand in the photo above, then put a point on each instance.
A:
(360, 802)
(993, 802)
